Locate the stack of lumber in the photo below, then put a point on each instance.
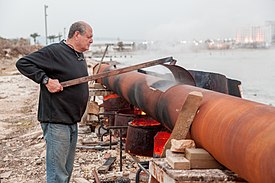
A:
(192, 158)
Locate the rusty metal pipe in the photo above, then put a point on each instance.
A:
(240, 134)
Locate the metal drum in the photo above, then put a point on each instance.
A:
(140, 136)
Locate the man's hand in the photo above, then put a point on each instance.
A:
(54, 86)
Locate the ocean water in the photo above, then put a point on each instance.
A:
(255, 68)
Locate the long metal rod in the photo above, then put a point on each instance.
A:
(105, 51)
(120, 149)
(115, 72)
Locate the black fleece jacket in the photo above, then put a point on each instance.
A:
(57, 61)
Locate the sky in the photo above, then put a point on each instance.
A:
(136, 19)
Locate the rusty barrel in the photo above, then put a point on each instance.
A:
(140, 136)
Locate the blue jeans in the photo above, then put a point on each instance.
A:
(60, 151)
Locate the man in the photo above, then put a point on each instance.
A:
(60, 108)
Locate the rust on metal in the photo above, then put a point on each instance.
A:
(236, 132)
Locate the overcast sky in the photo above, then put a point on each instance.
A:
(136, 20)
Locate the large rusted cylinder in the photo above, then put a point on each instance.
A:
(240, 134)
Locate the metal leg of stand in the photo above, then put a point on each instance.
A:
(110, 135)
(137, 175)
(101, 137)
(120, 142)
(120, 148)
(102, 126)
(100, 122)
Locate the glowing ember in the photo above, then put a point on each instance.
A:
(137, 111)
(144, 122)
(107, 97)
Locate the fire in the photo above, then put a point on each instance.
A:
(144, 122)
(107, 97)
(137, 111)
(160, 140)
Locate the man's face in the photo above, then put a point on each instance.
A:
(84, 41)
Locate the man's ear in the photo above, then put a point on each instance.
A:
(76, 34)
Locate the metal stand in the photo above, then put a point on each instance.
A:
(120, 142)
(102, 126)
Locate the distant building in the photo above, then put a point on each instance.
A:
(256, 36)
(271, 26)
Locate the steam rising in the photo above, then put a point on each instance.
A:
(164, 78)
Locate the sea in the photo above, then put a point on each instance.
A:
(255, 68)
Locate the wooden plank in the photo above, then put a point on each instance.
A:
(197, 154)
(201, 159)
(205, 164)
(106, 166)
(115, 72)
(178, 163)
(185, 118)
(174, 154)
(163, 173)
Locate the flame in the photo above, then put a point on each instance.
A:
(143, 113)
(137, 111)
(144, 122)
(107, 97)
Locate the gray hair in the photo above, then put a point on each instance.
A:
(77, 26)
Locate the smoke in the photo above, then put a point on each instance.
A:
(162, 78)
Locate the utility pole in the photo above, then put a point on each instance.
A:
(64, 33)
(46, 33)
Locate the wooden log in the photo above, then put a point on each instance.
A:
(115, 72)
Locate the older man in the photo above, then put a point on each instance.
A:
(60, 108)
